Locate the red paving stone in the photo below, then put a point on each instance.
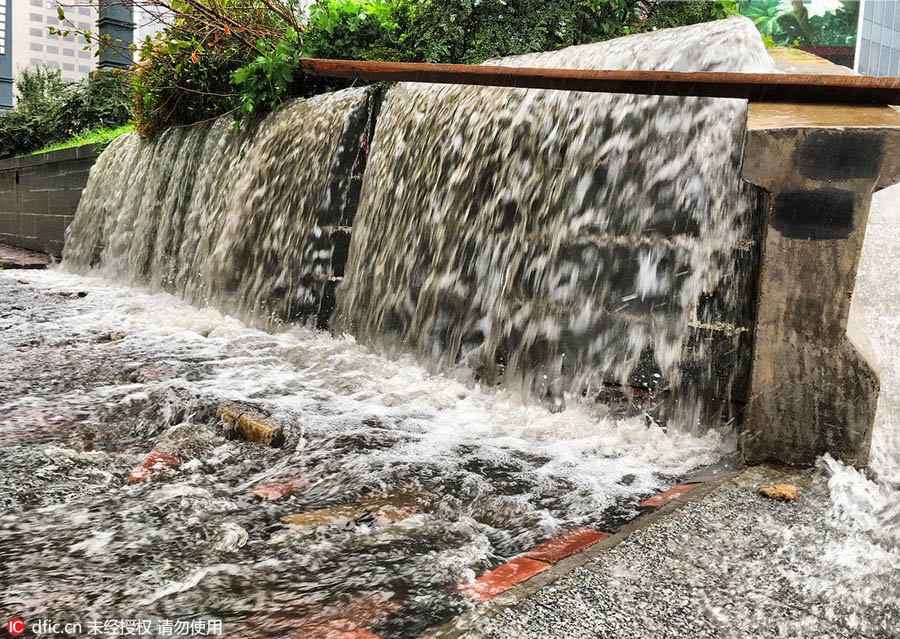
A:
(351, 622)
(154, 466)
(672, 493)
(503, 578)
(274, 489)
(563, 546)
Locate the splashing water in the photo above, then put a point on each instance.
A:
(550, 238)
(490, 475)
(553, 236)
(559, 238)
(243, 221)
(872, 505)
(248, 223)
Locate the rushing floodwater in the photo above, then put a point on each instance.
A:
(550, 239)
(95, 373)
(490, 475)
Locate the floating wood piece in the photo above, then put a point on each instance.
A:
(252, 427)
(384, 510)
(757, 87)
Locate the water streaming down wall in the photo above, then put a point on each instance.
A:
(557, 239)
(564, 239)
(254, 222)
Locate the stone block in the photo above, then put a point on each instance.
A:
(673, 493)
(36, 202)
(503, 578)
(553, 550)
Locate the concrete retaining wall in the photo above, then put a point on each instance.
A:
(39, 195)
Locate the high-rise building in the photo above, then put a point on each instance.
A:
(6, 67)
(33, 45)
(878, 44)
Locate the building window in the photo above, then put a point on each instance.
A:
(35, 62)
(52, 49)
(68, 66)
(36, 3)
(53, 64)
(2, 28)
(84, 26)
(84, 11)
(36, 17)
(35, 46)
(36, 33)
(85, 55)
(69, 53)
(83, 69)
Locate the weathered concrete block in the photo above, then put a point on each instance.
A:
(39, 195)
(812, 390)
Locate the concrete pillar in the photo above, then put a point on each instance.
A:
(116, 18)
(813, 389)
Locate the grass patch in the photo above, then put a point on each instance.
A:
(100, 137)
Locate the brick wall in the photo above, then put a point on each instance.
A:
(39, 195)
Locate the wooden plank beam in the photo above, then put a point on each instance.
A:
(757, 87)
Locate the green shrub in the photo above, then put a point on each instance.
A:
(222, 56)
(49, 110)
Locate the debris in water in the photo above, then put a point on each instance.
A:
(154, 466)
(233, 537)
(384, 510)
(112, 336)
(274, 489)
(253, 428)
(781, 492)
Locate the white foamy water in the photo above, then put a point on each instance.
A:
(492, 474)
(558, 239)
(870, 506)
(549, 239)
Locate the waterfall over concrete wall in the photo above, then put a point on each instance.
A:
(562, 238)
(553, 239)
(254, 222)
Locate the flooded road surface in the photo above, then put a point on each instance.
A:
(444, 480)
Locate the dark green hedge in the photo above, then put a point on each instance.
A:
(49, 110)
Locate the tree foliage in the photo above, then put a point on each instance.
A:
(810, 23)
(241, 56)
(49, 110)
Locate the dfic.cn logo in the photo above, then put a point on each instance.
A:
(16, 627)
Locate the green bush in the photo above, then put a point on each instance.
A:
(49, 110)
(202, 66)
(808, 23)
